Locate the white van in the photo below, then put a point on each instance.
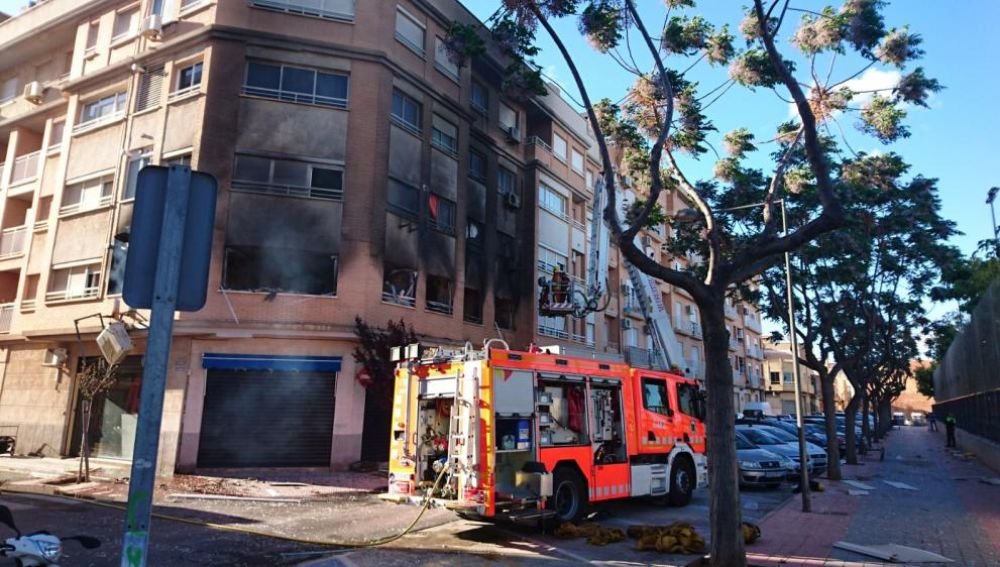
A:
(757, 410)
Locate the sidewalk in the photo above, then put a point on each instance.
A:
(950, 512)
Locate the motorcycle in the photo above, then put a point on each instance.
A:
(38, 549)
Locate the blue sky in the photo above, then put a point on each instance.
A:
(951, 141)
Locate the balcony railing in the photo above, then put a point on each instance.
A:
(613, 346)
(552, 332)
(733, 343)
(439, 307)
(13, 241)
(687, 327)
(752, 322)
(6, 316)
(399, 299)
(69, 294)
(25, 168)
(536, 141)
(753, 351)
(81, 206)
(730, 312)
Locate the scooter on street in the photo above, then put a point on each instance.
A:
(38, 549)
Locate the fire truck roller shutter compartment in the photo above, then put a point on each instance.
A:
(267, 411)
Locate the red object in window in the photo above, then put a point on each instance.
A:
(574, 397)
(433, 202)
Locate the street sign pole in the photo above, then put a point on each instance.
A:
(154, 374)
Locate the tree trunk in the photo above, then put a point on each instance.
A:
(850, 435)
(866, 429)
(83, 472)
(726, 514)
(830, 411)
(883, 417)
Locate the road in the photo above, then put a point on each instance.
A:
(441, 536)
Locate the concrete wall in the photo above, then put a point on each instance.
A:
(35, 399)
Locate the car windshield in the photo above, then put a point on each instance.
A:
(742, 443)
(782, 435)
(760, 437)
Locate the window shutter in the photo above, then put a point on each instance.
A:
(150, 90)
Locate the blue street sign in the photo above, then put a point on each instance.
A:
(144, 240)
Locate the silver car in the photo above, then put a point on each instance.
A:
(817, 454)
(766, 441)
(759, 467)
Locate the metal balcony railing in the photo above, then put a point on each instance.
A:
(6, 316)
(13, 241)
(552, 332)
(25, 168)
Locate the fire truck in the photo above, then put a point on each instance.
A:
(497, 433)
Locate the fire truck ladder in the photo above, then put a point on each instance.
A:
(666, 351)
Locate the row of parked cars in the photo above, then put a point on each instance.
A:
(768, 454)
(768, 448)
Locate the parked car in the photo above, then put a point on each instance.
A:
(918, 418)
(768, 442)
(759, 467)
(814, 434)
(817, 454)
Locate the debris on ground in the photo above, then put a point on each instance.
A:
(894, 553)
(678, 537)
(595, 533)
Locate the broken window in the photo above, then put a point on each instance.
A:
(439, 294)
(288, 177)
(116, 275)
(472, 305)
(399, 286)
(505, 181)
(477, 165)
(441, 213)
(274, 269)
(504, 313)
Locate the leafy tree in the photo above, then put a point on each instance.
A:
(859, 292)
(968, 279)
(664, 117)
(938, 337)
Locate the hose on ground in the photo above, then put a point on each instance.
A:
(238, 529)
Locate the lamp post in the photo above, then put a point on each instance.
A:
(990, 197)
(688, 214)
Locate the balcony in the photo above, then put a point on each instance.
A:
(752, 322)
(71, 294)
(753, 351)
(733, 343)
(554, 332)
(632, 307)
(6, 316)
(25, 168)
(730, 312)
(613, 347)
(687, 327)
(13, 241)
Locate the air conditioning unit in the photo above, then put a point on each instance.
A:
(512, 200)
(513, 134)
(152, 26)
(114, 342)
(626, 324)
(55, 357)
(34, 92)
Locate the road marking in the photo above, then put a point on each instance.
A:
(860, 485)
(900, 485)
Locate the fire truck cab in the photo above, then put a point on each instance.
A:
(530, 436)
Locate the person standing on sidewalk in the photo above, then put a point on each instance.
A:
(949, 425)
(932, 422)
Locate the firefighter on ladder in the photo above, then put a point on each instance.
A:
(560, 285)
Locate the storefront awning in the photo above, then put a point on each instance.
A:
(269, 362)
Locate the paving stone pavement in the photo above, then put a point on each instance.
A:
(950, 513)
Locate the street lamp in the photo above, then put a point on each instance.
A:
(990, 197)
(685, 215)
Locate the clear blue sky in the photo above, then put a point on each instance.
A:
(951, 141)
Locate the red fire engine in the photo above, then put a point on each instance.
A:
(528, 435)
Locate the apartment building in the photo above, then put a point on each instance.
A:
(780, 386)
(361, 173)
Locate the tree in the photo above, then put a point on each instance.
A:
(372, 354)
(969, 278)
(96, 376)
(860, 291)
(664, 118)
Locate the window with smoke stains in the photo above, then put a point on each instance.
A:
(275, 269)
(441, 213)
(439, 294)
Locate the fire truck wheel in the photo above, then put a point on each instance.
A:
(682, 483)
(569, 495)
